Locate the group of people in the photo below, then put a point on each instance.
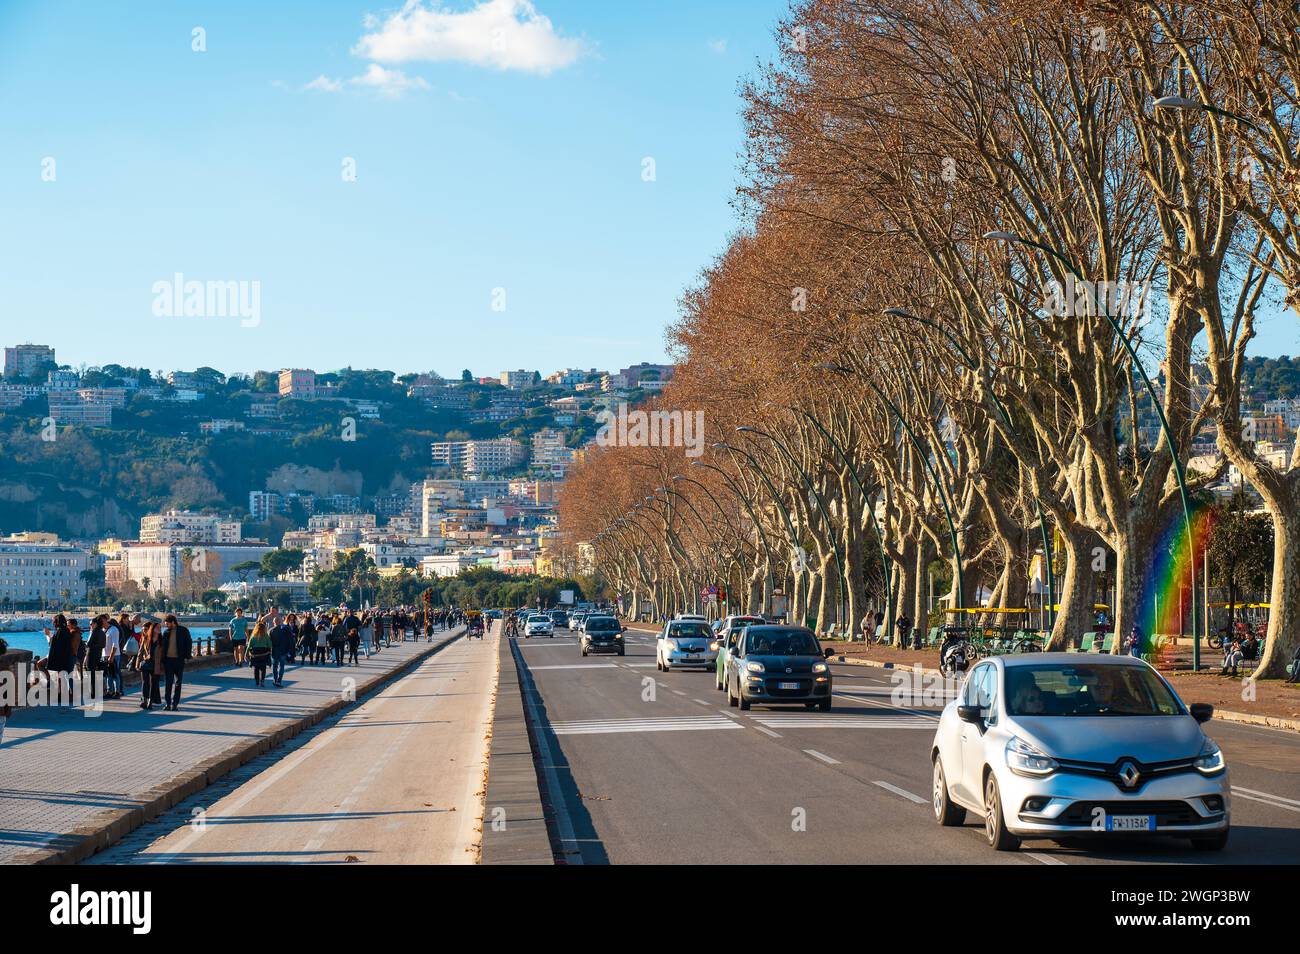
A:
(338, 637)
(158, 649)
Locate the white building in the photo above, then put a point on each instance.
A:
(447, 564)
(184, 526)
(165, 565)
(42, 572)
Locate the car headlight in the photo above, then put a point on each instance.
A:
(819, 667)
(1025, 759)
(755, 667)
(713, 647)
(671, 644)
(1210, 761)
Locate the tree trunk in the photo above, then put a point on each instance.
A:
(1076, 590)
(1284, 613)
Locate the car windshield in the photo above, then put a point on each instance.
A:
(539, 619)
(602, 624)
(781, 642)
(689, 631)
(1082, 689)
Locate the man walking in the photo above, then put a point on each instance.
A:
(239, 635)
(177, 645)
(283, 639)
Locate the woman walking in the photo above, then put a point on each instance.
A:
(259, 652)
(367, 632)
(62, 657)
(337, 639)
(148, 662)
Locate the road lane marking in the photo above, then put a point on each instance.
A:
(702, 702)
(1276, 801)
(670, 724)
(880, 722)
(1043, 859)
(679, 692)
(903, 792)
(775, 735)
(821, 757)
(578, 666)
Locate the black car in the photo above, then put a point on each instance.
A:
(778, 665)
(602, 634)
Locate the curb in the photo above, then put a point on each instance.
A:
(112, 825)
(512, 786)
(1225, 715)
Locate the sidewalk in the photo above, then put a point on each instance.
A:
(71, 784)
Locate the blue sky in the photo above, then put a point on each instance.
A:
(514, 165)
(518, 166)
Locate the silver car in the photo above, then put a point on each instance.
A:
(685, 643)
(1056, 745)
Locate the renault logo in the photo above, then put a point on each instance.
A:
(788, 669)
(1129, 774)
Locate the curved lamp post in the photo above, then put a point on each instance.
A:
(1010, 237)
(821, 507)
(762, 534)
(970, 363)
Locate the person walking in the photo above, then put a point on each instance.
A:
(259, 652)
(367, 632)
(112, 659)
(283, 638)
(352, 626)
(148, 662)
(306, 640)
(239, 635)
(177, 647)
(322, 639)
(60, 660)
(95, 655)
(338, 638)
(381, 629)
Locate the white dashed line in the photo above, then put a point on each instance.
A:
(903, 792)
(819, 756)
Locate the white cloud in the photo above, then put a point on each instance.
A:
(505, 34)
(385, 82)
(324, 84)
(718, 46)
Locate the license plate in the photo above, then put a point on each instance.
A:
(787, 685)
(1131, 823)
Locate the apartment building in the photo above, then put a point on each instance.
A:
(24, 360)
(298, 383)
(33, 572)
(164, 567)
(479, 457)
(184, 526)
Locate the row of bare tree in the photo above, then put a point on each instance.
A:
(979, 236)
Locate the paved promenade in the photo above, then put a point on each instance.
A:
(397, 779)
(67, 779)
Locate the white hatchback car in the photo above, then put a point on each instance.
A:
(1057, 745)
(685, 642)
(539, 625)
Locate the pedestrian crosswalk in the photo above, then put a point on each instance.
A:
(660, 724)
(798, 721)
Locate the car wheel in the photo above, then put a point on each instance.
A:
(740, 696)
(810, 706)
(1215, 842)
(946, 812)
(824, 705)
(995, 824)
(731, 699)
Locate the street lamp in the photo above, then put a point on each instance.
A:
(762, 534)
(821, 506)
(1006, 419)
(939, 489)
(1010, 237)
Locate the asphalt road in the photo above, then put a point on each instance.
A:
(397, 779)
(654, 767)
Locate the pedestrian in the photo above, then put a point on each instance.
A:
(322, 639)
(352, 627)
(112, 659)
(148, 662)
(306, 639)
(130, 641)
(239, 635)
(177, 646)
(95, 655)
(904, 626)
(61, 659)
(367, 632)
(259, 651)
(283, 638)
(338, 638)
(381, 629)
